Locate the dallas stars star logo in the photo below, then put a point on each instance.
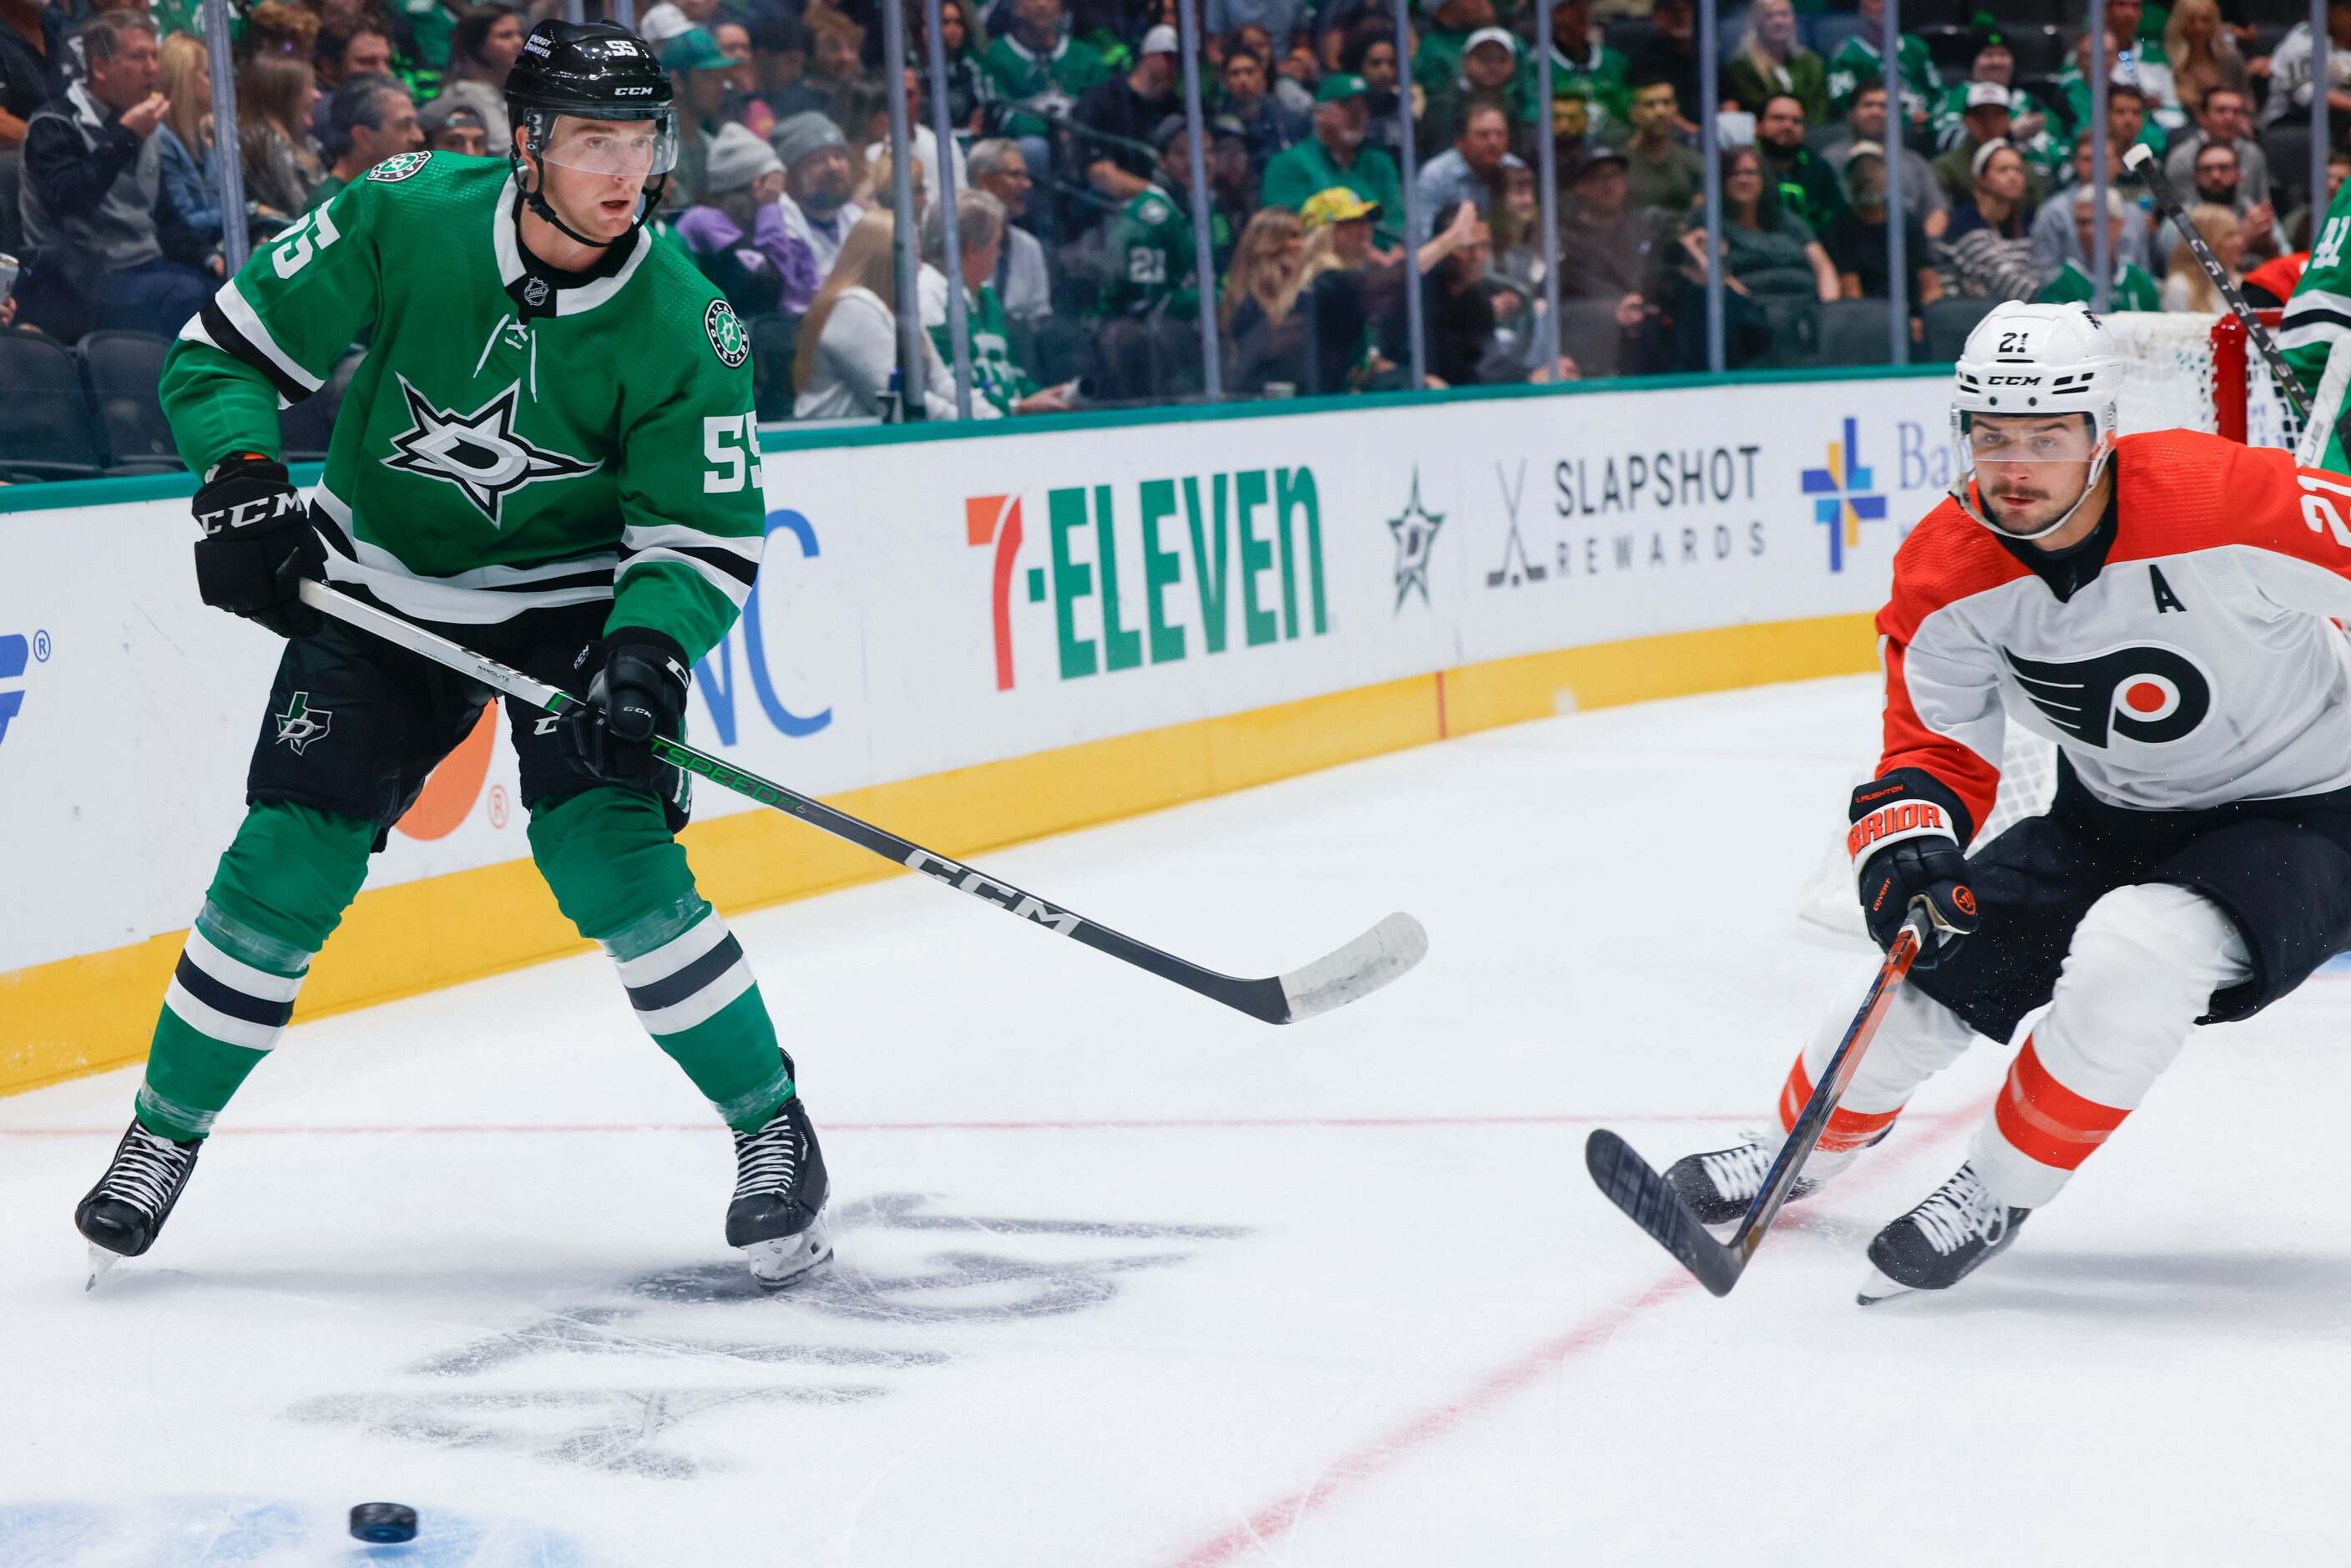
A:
(1415, 539)
(478, 451)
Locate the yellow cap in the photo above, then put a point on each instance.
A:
(1336, 206)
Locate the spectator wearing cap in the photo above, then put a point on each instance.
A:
(1770, 60)
(1993, 62)
(1864, 122)
(1808, 187)
(1035, 71)
(1490, 73)
(1148, 254)
(1579, 58)
(1000, 384)
(1470, 169)
(1266, 128)
(818, 184)
(32, 63)
(701, 77)
(449, 126)
(666, 21)
(1855, 237)
(1666, 175)
(1021, 279)
(2133, 290)
(96, 214)
(1605, 242)
(735, 231)
(1988, 118)
(1987, 249)
(1437, 58)
(1337, 157)
(1369, 51)
(369, 120)
(1328, 292)
(1116, 120)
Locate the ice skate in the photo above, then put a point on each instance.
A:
(123, 1214)
(777, 1215)
(1716, 1188)
(1941, 1241)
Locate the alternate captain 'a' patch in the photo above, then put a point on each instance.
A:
(479, 453)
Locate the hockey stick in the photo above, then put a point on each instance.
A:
(2141, 160)
(1633, 1186)
(1379, 956)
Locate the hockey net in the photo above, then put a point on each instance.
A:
(2183, 372)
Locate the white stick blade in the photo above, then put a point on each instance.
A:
(2141, 153)
(1385, 953)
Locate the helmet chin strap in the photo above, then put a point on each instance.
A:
(2089, 487)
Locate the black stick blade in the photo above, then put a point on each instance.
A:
(1632, 1185)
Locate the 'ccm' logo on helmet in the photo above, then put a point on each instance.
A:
(2148, 693)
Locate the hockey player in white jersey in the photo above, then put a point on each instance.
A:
(2159, 606)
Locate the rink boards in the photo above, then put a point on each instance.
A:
(977, 637)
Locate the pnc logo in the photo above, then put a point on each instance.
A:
(1846, 495)
(16, 651)
(1162, 571)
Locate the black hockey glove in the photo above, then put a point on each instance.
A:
(639, 692)
(1905, 845)
(258, 544)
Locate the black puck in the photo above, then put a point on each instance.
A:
(383, 1522)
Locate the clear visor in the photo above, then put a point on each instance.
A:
(623, 149)
(1994, 441)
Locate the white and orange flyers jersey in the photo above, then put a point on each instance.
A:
(2202, 665)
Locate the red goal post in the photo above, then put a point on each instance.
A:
(2195, 372)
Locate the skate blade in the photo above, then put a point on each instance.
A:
(101, 1260)
(1880, 1286)
(776, 1264)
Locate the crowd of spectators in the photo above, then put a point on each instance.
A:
(1070, 154)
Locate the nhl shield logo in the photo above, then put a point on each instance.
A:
(534, 291)
(727, 339)
(398, 167)
(301, 723)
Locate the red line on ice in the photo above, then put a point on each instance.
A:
(1368, 1460)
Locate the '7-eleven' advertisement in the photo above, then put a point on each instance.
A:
(926, 605)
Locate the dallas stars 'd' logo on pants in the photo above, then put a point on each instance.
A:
(301, 723)
(478, 451)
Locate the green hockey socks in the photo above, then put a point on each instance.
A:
(607, 854)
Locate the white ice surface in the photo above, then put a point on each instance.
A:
(1128, 1280)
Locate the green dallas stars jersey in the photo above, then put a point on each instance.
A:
(507, 444)
(1858, 63)
(2318, 316)
(1149, 259)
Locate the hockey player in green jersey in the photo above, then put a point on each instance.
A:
(2318, 317)
(549, 452)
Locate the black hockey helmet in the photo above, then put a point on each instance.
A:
(595, 71)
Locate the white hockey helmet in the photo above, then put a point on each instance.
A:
(2024, 358)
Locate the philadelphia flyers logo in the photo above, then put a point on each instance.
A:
(2147, 693)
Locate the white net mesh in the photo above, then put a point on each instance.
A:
(2167, 383)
